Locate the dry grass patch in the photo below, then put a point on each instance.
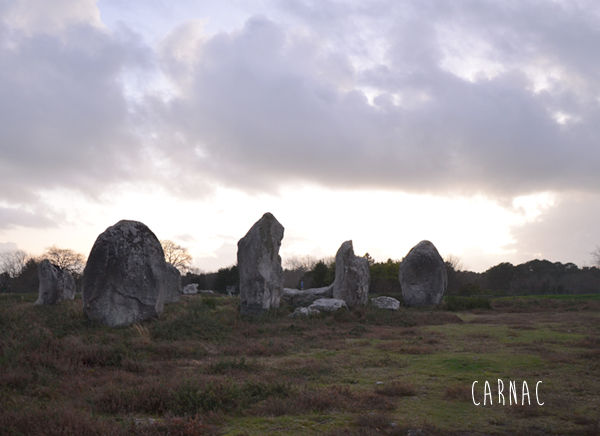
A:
(458, 392)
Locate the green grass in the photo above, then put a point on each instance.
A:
(204, 369)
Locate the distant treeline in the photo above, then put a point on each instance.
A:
(538, 277)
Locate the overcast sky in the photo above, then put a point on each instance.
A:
(473, 123)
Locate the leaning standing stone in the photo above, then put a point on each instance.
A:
(259, 264)
(124, 281)
(56, 284)
(351, 277)
(174, 288)
(423, 276)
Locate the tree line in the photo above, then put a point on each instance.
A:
(18, 273)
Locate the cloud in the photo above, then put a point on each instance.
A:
(8, 246)
(12, 217)
(269, 105)
(568, 232)
(473, 97)
(66, 122)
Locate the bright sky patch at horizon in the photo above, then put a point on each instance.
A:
(472, 124)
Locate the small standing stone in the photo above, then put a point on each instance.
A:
(423, 276)
(174, 288)
(259, 263)
(351, 277)
(56, 284)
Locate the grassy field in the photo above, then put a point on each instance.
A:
(201, 369)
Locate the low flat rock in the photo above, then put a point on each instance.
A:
(328, 304)
(304, 298)
(385, 303)
(191, 289)
(306, 312)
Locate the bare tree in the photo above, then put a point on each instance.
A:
(455, 262)
(176, 255)
(300, 263)
(596, 257)
(65, 258)
(13, 262)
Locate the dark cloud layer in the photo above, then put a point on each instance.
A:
(64, 119)
(430, 96)
(264, 106)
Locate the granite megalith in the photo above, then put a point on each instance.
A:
(423, 277)
(259, 265)
(174, 287)
(351, 277)
(125, 278)
(56, 284)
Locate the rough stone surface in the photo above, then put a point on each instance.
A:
(191, 289)
(259, 264)
(423, 276)
(301, 312)
(125, 278)
(174, 288)
(351, 277)
(56, 284)
(304, 298)
(328, 304)
(386, 303)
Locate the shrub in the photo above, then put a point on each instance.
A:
(455, 304)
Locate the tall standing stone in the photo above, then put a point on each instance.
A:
(56, 284)
(351, 277)
(125, 278)
(259, 265)
(423, 276)
(174, 287)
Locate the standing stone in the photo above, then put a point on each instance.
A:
(423, 277)
(125, 278)
(351, 277)
(259, 264)
(56, 284)
(174, 287)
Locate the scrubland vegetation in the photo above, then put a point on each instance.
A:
(202, 369)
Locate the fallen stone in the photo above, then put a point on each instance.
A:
(174, 288)
(259, 265)
(304, 312)
(328, 304)
(191, 289)
(423, 277)
(385, 303)
(56, 284)
(125, 278)
(304, 298)
(351, 277)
